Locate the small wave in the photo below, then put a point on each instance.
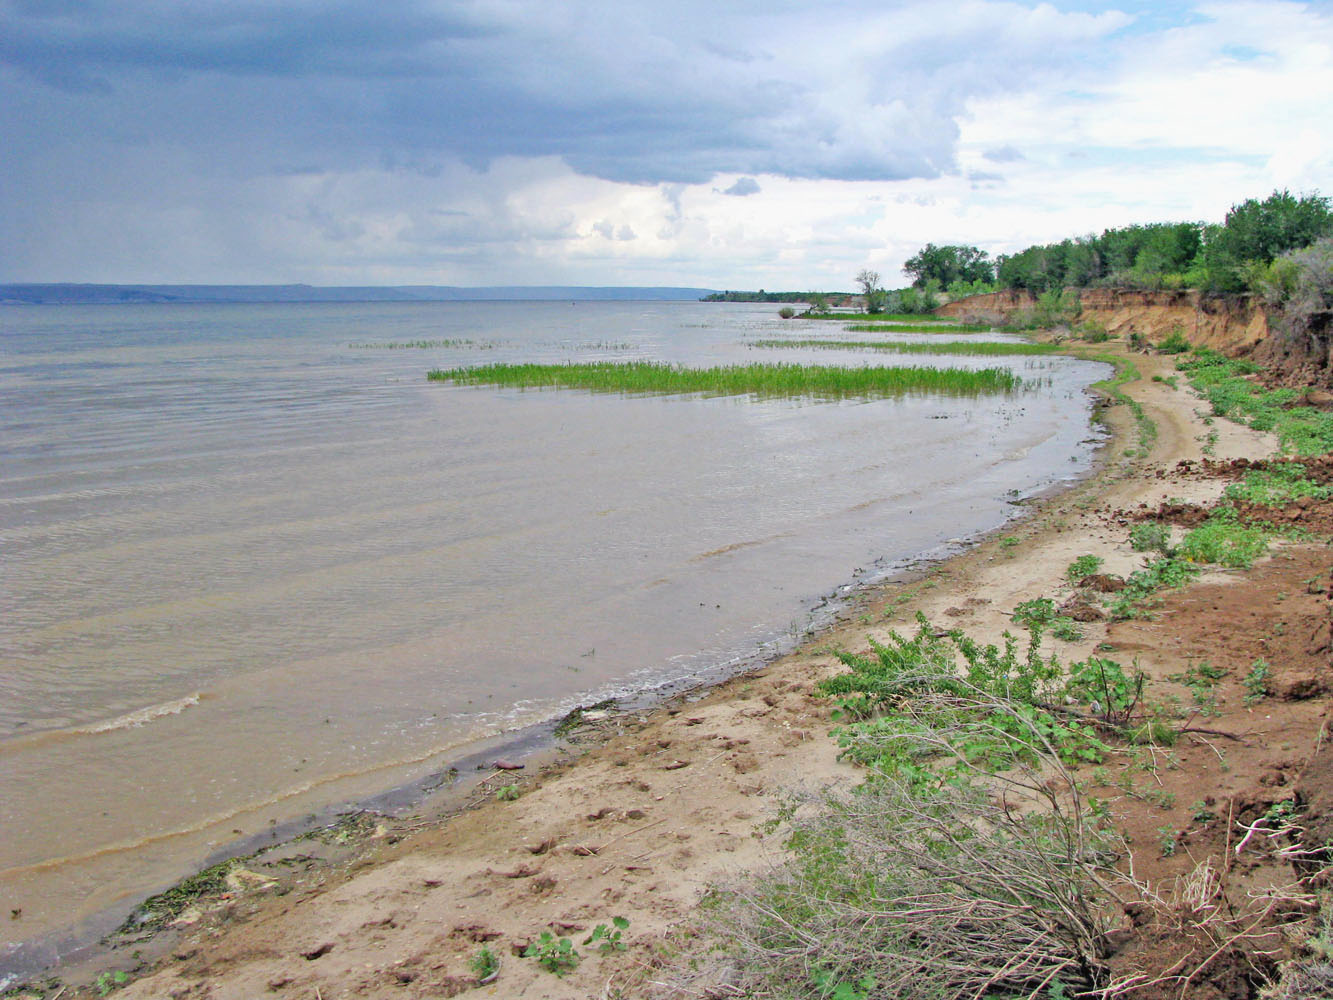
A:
(139, 716)
(727, 549)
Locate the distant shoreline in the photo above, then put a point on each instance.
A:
(69, 293)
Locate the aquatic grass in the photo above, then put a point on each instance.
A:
(399, 345)
(762, 380)
(979, 347)
(918, 328)
(923, 318)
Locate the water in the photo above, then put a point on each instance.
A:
(252, 568)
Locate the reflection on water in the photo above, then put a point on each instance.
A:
(251, 569)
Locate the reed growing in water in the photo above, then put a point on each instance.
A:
(763, 380)
(989, 348)
(918, 327)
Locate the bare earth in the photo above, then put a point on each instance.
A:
(657, 806)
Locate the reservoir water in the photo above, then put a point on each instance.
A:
(255, 565)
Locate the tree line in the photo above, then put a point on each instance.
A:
(1233, 256)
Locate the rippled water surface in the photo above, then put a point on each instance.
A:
(254, 563)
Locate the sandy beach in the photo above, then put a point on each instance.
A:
(638, 814)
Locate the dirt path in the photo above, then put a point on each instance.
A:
(667, 802)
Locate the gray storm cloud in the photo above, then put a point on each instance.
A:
(127, 123)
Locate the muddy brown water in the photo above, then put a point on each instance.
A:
(253, 569)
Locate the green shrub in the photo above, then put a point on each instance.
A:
(1104, 684)
(1174, 342)
(902, 893)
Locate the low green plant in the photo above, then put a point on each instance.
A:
(1202, 679)
(106, 982)
(1125, 372)
(786, 312)
(1083, 566)
(554, 954)
(608, 939)
(1066, 629)
(1256, 682)
(484, 963)
(1224, 382)
(1281, 815)
(833, 987)
(1042, 613)
(1150, 536)
(1038, 611)
(1276, 484)
(1166, 841)
(1143, 585)
(1222, 540)
(506, 793)
(1200, 812)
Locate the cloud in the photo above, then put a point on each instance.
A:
(631, 91)
(491, 143)
(743, 187)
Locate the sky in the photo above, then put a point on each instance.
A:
(779, 144)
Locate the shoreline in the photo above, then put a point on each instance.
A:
(772, 728)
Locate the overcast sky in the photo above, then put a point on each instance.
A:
(758, 143)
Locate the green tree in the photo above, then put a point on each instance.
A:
(949, 264)
(1256, 232)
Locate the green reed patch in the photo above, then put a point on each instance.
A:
(763, 380)
(921, 318)
(403, 345)
(918, 327)
(987, 348)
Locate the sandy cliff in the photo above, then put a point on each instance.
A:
(1231, 324)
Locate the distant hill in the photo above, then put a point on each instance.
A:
(48, 294)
